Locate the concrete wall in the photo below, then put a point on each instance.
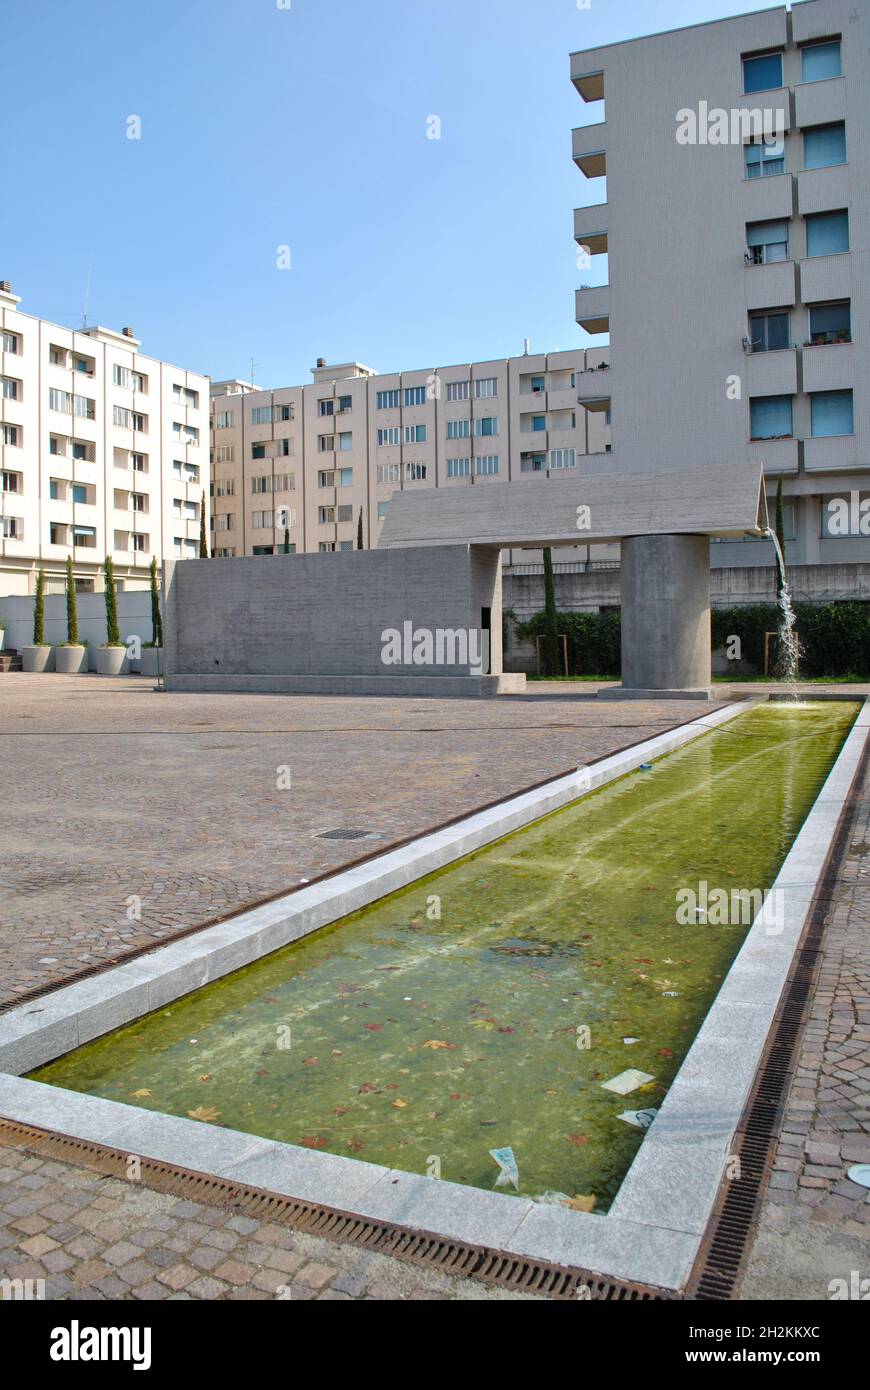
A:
(322, 616)
(134, 616)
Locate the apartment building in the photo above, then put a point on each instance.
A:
(729, 189)
(102, 451)
(319, 457)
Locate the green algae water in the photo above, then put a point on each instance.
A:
(450, 1018)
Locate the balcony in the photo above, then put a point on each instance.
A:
(771, 373)
(588, 150)
(838, 451)
(777, 455)
(593, 385)
(592, 308)
(825, 277)
(820, 103)
(830, 367)
(771, 286)
(590, 228)
(823, 190)
(590, 85)
(766, 199)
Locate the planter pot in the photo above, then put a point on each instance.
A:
(111, 661)
(71, 661)
(2, 637)
(37, 658)
(151, 656)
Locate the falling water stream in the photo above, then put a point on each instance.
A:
(788, 638)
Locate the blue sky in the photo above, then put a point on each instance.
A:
(306, 127)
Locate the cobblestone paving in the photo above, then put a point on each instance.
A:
(92, 1237)
(815, 1222)
(116, 793)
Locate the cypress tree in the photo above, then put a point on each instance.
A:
(72, 612)
(156, 618)
(359, 532)
(39, 610)
(113, 631)
(203, 542)
(551, 622)
(286, 546)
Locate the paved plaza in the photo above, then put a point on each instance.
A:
(116, 791)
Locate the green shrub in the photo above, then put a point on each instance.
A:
(594, 641)
(834, 637)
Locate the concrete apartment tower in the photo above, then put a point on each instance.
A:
(102, 451)
(316, 457)
(739, 264)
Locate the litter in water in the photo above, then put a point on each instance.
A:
(641, 1119)
(508, 1165)
(627, 1081)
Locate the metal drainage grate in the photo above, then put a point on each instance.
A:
(346, 835)
(451, 1257)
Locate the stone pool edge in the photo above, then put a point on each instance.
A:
(654, 1227)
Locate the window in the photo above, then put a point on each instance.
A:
(79, 494)
(56, 489)
(458, 468)
(139, 541)
(284, 482)
(415, 395)
(767, 241)
(226, 521)
(182, 395)
(10, 482)
(326, 478)
(325, 515)
(224, 453)
(486, 425)
(345, 403)
(832, 413)
(764, 157)
(284, 448)
(186, 433)
(827, 233)
(769, 331)
(284, 412)
(137, 502)
(9, 388)
(226, 553)
(388, 400)
(770, 417)
(10, 434)
(345, 545)
(224, 420)
(538, 383)
(563, 458)
(224, 487)
(261, 415)
(326, 407)
(345, 477)
(345, 441)
(533, 463)
(261, 484)
(486, 387)
(258, 451)
(84, 535)
(325, 546)
(10, 342)
(458, 390)
(415, 434)
(84, 407)
(326, 443)
(831, 323)
(388, 436)
(11, 528)
(388, 473)
(57, 533)
(415, 472)
(825, 145)
(345, 513)
(263, 549)
(140, 463)
(60, 401)
(382, 510)
(762, 74)
(123, 376)
(821, 60)
(262, 520)
(486, 465)
(121, 417)
(458, 429)
(539, 422)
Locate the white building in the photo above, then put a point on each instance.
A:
(102, 451)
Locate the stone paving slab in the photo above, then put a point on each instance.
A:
(123, 800)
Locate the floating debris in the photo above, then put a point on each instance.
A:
(641, 1119)
(509, 1174)
(627, 1081)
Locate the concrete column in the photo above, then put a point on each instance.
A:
(666, 613)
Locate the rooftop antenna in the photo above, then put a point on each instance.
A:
(526, 347)
(87, 297)
(253, 365)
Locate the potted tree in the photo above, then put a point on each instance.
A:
(152, 652)
(112, 655)
(71, 656)
(38, 657)
(2, 633)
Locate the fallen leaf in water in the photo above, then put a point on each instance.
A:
(665, 1052)
(310, 1062)
(400, 1104)
(456, 1096)
(355, 1145)
(577, 1139)
(583, 1203)
(437, 1043)
(550, 1091)
(366, 1087)
(485, 1023)
(206, 1076)
(339, 1110)
(507, 1030)
(204, 1112)
(313, 1141)
(261, 1072)
(335, 1052)
(140, 1095)
(375, 1027)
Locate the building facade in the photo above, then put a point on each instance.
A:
(316, 458)
(729, 169)
(103, 451)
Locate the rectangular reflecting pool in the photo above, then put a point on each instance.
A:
(486, 1006)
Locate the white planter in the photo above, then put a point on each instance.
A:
(111, 661)
(2, 637)
(151, 663)
(71, 661)
(37, 658)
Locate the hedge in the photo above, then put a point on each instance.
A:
(835, 637)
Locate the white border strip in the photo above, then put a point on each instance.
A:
(654, 1227)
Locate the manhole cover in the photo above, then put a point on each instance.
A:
(347, 835)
